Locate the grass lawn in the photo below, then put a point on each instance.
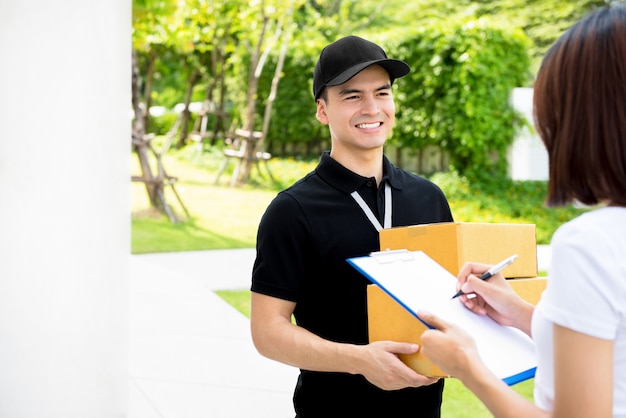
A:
(224, 217)
(221, 217)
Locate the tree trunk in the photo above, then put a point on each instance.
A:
(139, 133)
(219, 62)
(247, 147)
(279, 69)
(193, 80)
(147, 94)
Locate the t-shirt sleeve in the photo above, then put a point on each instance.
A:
(584, 290)
(282, 242)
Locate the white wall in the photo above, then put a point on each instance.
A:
(528, 158)
(64, 207)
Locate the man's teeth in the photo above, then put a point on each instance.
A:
(368, 125)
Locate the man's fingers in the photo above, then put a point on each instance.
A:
(404, 348)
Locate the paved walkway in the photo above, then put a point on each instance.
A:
(191, 354)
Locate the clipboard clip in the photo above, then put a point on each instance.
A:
(389, 256)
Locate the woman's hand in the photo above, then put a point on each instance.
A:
(448, 346)
(493, 297)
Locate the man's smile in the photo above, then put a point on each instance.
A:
(369, 125)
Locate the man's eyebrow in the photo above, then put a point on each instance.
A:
(348, 91)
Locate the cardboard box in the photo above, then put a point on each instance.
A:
(529, 289)
(453, 243)
(390, 321)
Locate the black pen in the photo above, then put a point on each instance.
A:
(493, 270)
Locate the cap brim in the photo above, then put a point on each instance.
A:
(395, 68)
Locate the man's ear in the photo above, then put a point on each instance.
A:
(321, 111)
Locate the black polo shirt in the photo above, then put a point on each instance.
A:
(304, 238)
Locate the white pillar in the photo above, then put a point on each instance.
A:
(527, 156)
(64, 207)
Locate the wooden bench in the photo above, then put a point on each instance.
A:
(238, 150)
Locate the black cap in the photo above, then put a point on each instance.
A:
(344, 58)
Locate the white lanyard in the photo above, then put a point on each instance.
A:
(368, 212)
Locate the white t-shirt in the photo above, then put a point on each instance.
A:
(586, 292)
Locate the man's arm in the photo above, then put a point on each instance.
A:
(277, 338)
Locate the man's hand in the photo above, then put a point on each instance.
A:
(382, 367)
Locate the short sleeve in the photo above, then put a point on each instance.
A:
(283, 236)
(585, 289)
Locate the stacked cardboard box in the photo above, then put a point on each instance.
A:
(451, 245)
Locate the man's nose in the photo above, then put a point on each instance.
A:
(370, 106)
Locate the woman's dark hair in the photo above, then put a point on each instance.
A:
(580, 110)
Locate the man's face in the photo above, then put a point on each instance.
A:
(360, 113)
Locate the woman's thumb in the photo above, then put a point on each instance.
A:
(431, 319)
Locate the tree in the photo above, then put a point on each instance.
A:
(154, 12)
(279, 18)
(232, 54)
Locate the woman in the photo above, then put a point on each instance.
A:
(579, 325)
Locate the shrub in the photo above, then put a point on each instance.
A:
(457, 95)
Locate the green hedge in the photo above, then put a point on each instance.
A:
(457, 95)
(293, 111)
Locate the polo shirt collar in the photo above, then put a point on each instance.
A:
(348, 181)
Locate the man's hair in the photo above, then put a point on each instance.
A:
(324, 95)
(580, 110)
